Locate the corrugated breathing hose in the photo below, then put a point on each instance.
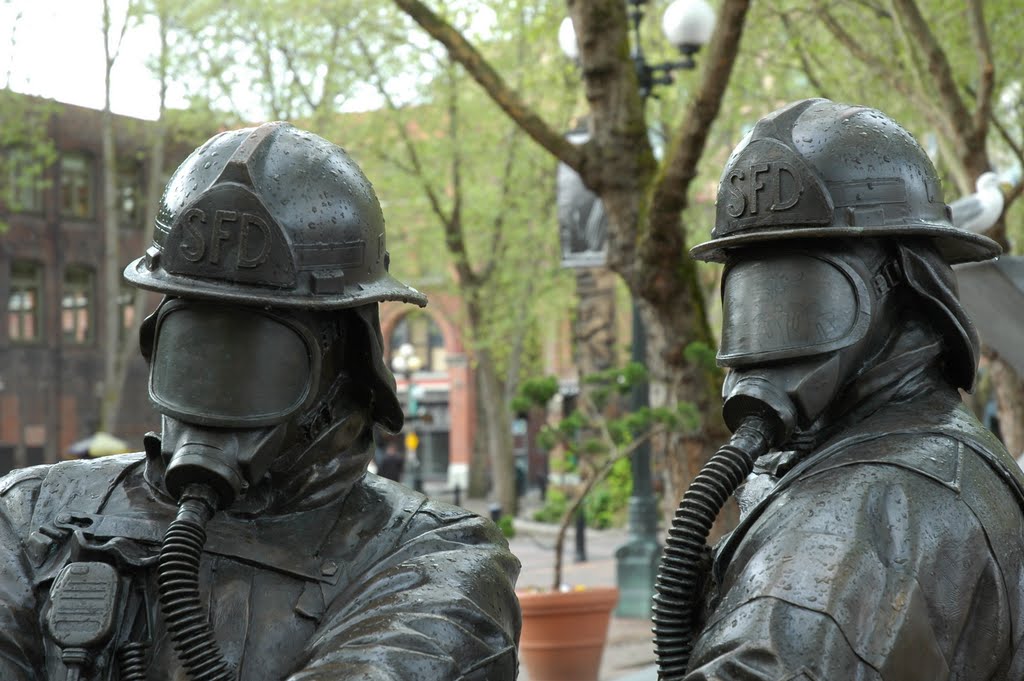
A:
(682, 572)
(178, 584)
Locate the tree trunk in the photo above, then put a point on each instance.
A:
(499, 434)
(123, 348)
(480, 463)
(1010, 396)
(110, 335)
(594, 333)
(644, 203)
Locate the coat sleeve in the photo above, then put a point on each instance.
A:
(861, 572)
(440, 607)
(21, 645)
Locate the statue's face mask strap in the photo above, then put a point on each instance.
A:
(791, 305)
(231, 367)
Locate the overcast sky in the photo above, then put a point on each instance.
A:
(57, 52)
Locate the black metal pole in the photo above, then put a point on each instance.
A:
(581, 536)
(637, 559)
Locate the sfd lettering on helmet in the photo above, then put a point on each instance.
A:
(194, 246)
(776, 182)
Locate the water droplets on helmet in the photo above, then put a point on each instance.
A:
(818, 169)
(242, 220)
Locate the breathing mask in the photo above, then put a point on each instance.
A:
(229, 380)
(797, 325)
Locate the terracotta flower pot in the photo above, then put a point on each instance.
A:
(564, 632)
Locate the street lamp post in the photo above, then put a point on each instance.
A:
(687, 24)
(406, 363)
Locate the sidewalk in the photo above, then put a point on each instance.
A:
(629, 652)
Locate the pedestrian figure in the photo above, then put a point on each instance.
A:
(392, 463)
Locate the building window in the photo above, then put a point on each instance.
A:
(126, 308)
(129, 194)
(423, 333)
(23, 313)
(76, 305)
(24, 182)
(76, 181)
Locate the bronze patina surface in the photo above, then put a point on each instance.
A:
(881, 532)
(248, 542)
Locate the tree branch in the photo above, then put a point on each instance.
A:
(483, 73)
(670, 194)
(856, 49)
(403, 133)
(454, 234)
(662, 248)
(803, 56)
(304, 91)
(960, 122)
(986, 70)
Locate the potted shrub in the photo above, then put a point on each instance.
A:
(564, 626)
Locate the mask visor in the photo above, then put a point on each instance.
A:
(220, 366)
(790, 305)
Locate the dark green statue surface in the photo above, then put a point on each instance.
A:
(248, 542)
(881, 533)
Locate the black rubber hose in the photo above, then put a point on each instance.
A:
(132, 661)
(682, 571)
(178, 583)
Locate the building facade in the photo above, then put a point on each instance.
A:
(51, 275)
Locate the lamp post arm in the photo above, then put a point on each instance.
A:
(680, 167)
(493, 84)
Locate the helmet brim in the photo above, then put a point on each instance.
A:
(954, 245)
(384, 288)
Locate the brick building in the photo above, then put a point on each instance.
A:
(51, 257)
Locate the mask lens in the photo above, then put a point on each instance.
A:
(787, 306)
(228, 367)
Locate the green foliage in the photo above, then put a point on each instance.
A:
(26, 150)
(606, 504)
(555, 503)
(506, 524)
(536, 392)
(596, 442)
(701, 355)
(604, 507)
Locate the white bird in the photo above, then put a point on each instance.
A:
(979, 211)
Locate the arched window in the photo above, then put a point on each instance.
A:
(418, 329)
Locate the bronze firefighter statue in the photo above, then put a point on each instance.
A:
(248, 542)
(881, 532)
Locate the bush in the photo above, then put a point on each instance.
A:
(607, 503)
(506, 524)
(554, 507)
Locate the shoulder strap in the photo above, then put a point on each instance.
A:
(79, 485)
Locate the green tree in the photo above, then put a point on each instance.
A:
(599, 434)
(113, 32)
(644, 198)
(26, 150)
(479, 179)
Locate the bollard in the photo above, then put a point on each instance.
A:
(457, 496)
(495, 509)
(581, 536)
